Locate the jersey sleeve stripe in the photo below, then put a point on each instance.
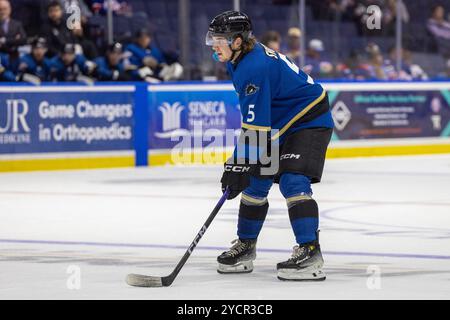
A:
(254, 127)
(299, 115)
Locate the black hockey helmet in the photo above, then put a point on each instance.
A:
(115, 47)
(227, 26)
(69, 48)
(39, 42)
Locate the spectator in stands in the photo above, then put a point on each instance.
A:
(353, 68)
(293, 44)
(119, 7)
(84, 45)
(35, 67)
(440, 30)
(81, 5)
(315, 65)
(333, 9)
(272, 40)
(112, 66)
(380, 68)
(150, 62)
(56, 30)
(6, 74)
(69, 66)
(408, 69)
(12, 35)
(389, 16)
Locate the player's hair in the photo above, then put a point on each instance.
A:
(53, 4)
(248, 44)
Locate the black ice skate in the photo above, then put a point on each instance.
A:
(239, 259)
(305, 264)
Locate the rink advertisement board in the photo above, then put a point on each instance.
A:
(193, 115)
(142, 124)
(66, 119)
(385, 111)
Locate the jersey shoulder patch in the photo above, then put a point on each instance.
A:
(251, 89)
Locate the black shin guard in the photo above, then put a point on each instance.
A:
(251, 219)
(304, 216)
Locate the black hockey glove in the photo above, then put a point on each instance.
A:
(236, 177)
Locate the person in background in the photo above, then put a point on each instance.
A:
(69, 66)
(380, 68)
(408, 69)
(151, 64)
(143, 52)
(55, 30)
(12, 35)
(315, 65)
(272, 40)
(353, 68)
(389, 16)
(293, 45)
(6, 75)
(85, 46)
(112, 66)
(35, 67)
(440, 30)
(119, 7)
(81, 5)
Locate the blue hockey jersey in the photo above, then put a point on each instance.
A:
(106, 72)
(137, 54)
(61, 72)
(274, 93)
(29, 65)
(5, 72)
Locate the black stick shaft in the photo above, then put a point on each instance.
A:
(167, 281)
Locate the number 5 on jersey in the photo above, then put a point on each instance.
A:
(250, 113)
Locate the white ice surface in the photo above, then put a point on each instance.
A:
(386, 214)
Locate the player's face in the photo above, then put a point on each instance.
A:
(144, 41)
(223, 50)
(5, 10)
(68, 58)
(114, 58)
(55, 13)
(39, 53)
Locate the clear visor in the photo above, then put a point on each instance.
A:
(216, 40)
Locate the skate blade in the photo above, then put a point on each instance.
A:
(138, 280)
(301, 275)
(241, 267)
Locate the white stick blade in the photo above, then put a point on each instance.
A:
(139, 280)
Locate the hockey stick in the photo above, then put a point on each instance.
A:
(139, 280)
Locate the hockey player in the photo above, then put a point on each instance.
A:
(279, 100)
(69, 66)
(150, 62)
(35, 67)
(5, 73)
(111, 67)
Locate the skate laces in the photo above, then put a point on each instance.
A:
(298, 251)
(238, 247)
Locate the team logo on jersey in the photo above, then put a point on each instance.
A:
(251, 89)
